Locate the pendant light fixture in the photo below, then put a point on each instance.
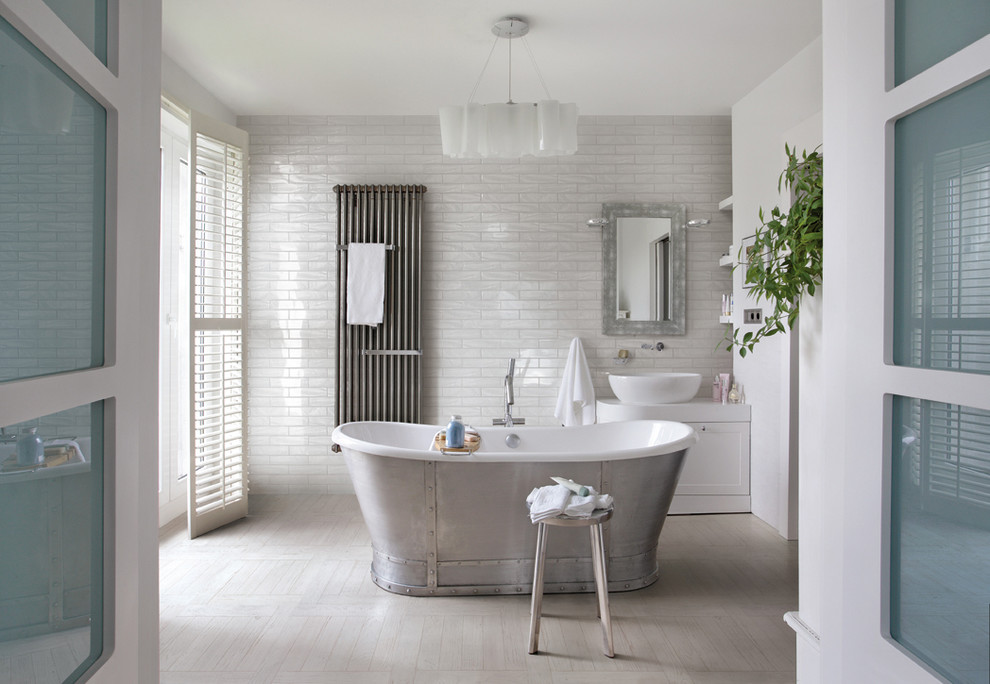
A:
(511, 130)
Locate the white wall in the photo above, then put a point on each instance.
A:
(179, 86)
(786, 104)
(801, 489)
(510, 268)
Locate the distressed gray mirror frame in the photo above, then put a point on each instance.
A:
(612, 212)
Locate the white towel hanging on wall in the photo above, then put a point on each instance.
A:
(365, 283)
(576, 399)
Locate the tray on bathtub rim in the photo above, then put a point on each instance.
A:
(54, 457)
(471, 443)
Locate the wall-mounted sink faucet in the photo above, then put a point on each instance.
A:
(507, 420)
(652, 347)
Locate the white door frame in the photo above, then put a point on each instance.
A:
(174, 317)
(130, 89)
(860, 108)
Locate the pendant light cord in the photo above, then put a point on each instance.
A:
(536, 67)
(482, 74)
(510, 71)
(532, 59)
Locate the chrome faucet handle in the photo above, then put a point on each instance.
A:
(508, 421)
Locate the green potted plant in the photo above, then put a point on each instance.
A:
(785, 261)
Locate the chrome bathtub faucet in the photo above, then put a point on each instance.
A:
(507, 420)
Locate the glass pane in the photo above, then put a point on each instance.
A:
(51, 536)
(942, 234)
(87, 19)
(926, 32)
(940, 536)
(173, 341)
(52, 216)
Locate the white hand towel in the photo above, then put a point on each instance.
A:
(547, 502)
(576, 399)
(365, 283)
(584, 506)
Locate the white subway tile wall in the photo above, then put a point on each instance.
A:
(510, 269)
(51, 229)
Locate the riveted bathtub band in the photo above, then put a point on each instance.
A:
(510, 576)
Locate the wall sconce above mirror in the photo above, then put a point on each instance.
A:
(644, 268)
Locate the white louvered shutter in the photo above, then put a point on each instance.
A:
(218, 473)
(953, 329)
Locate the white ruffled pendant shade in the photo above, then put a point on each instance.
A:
(509, 131)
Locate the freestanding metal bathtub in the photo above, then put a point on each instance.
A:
(443, 524)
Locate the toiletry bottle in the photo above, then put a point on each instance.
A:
(30, 449)
(455, 433)
(716, 389)
(734, 394)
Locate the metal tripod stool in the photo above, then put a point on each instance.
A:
(594, 525)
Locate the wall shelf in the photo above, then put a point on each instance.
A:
(726, 204)
(725, 319)
(726, 260)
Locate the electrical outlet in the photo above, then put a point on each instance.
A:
(752, 316)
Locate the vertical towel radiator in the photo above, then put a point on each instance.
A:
(379, 368)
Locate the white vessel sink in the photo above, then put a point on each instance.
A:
(654, 387)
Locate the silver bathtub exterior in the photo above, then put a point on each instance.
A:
(449, 528)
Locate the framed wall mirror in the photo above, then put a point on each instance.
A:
(643, 269)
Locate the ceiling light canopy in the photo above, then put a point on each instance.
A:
(509, 130)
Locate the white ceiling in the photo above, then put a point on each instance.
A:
(410, 56)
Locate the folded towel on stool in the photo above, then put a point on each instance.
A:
(547, 502)
(553, 500)
(584, 506)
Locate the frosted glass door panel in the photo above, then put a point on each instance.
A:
(51, 546)
(940, 536)
(87, 19)
(52, 216)
(926, 32)
(942, 234)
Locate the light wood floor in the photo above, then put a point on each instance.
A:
(285, 596)
(47, 659)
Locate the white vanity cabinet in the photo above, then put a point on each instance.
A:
(715, 478)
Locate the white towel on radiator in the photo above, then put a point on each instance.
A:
(365, 283)
(576, 399)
